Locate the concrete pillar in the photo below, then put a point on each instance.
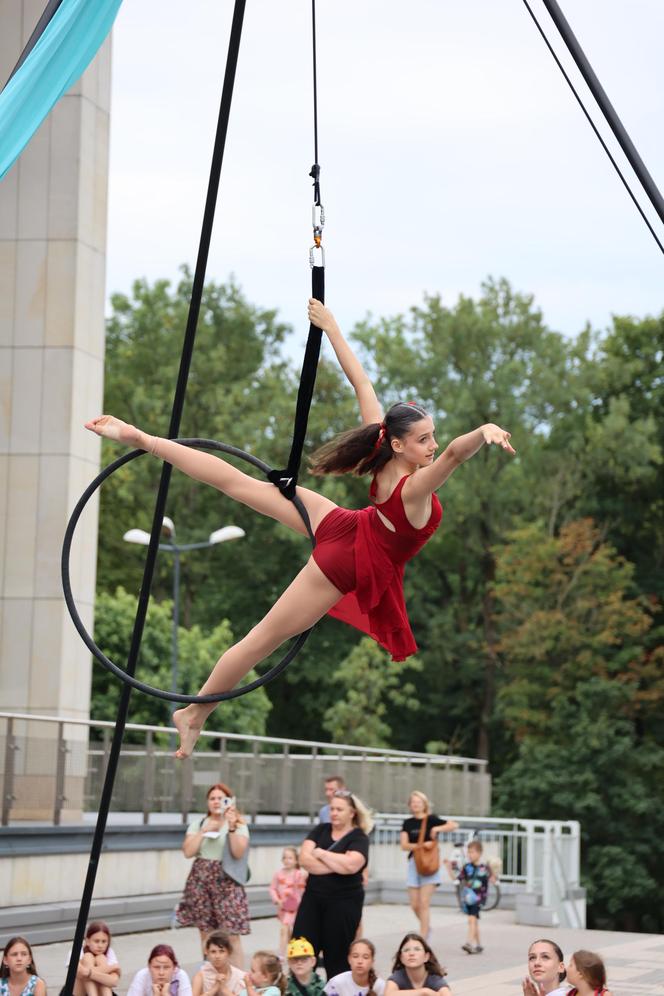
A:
(52, 278)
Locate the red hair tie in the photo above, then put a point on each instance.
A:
(379, 441)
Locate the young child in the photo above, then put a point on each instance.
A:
(416, 967)
(361, 980)
(586, 972)
(217, 977)
(474, 879)
(286, 891)
(162, 976)
(265, 977)
(98, 969)
(303, 979)
(18, 974)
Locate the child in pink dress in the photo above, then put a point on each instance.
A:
(286, 892)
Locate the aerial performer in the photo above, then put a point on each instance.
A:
(355, 572)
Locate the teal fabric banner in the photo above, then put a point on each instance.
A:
(68, 44)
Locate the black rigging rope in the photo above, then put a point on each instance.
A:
(160, 504)
(592, 123)
(313, 49)
(286, 479)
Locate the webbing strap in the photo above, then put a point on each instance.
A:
(286, 479)
(160, 504)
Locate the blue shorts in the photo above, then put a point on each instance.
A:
(473, 910)
(414, 880)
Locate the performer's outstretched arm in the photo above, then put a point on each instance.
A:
(429, 479)
(371, 410)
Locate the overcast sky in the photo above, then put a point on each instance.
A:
(450, 146)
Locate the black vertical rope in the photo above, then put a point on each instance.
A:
(286, 479)
(160, 504)
(606, 106)
(594, 126)
(313, 48)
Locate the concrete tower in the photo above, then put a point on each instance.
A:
(52, 276)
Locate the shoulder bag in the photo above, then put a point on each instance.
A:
(235, 868)
(427, 858)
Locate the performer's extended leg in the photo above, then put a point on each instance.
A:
(305, 601)
(212, 469)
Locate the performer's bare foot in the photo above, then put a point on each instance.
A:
(188, 725)
(111, 427)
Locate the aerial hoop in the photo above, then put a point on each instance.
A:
(208, 444)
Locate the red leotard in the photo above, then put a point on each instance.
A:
(365, 559)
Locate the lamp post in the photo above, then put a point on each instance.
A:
(176, 549)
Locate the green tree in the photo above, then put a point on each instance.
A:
(198, 652)
(369, 681)
(593, 767)
(581, 693)
(566, 610)
(611, 444)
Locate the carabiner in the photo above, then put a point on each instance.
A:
(312, 258)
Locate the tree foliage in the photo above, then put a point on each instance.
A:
(198, 652)
(536, 606)
(371, 683)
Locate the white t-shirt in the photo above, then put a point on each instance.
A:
(560, 991)
(141, 984)
(343, 985)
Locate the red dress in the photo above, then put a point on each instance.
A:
(365, 559)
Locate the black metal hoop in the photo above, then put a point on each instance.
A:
(209, 444)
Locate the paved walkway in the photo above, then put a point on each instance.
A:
(635, 961)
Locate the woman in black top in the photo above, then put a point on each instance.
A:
(421, 887)
(334, 854)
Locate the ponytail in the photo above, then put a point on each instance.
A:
(271, 966)
(368, 448)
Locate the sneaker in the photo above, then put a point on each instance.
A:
(478, 949)
(468, 947)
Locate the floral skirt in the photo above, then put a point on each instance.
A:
(213, 901)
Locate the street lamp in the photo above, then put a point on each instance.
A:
(168, 529)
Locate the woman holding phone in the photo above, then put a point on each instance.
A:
(214, 895)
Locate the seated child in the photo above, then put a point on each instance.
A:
(217, 977)
(265, 977)
(361, 980)
(162, 977)
(303, 979)
(416, 967)
(18, 973)
(98, 969)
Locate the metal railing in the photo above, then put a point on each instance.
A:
(542, 856)
(61, 762)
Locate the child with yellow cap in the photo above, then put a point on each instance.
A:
(303, 979)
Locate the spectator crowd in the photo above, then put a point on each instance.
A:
(318, 895)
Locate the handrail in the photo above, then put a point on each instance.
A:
(446, 759)
(488, 821)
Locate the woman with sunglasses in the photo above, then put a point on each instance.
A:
(334, 854)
